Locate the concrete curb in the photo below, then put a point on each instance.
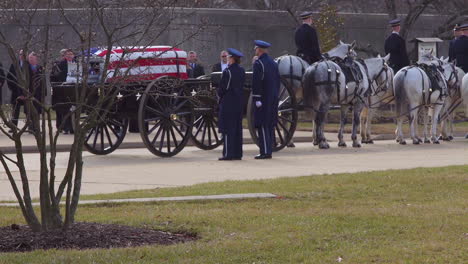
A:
(169, 199)
(137, 145)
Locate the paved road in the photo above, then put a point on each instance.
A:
(128, 169)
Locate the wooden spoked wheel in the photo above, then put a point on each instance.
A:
(107, 135)
(165, 116)
(205, 129)
(287, 117)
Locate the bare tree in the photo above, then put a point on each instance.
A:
(96, 23)
(452, 10)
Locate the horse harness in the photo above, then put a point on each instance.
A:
(329, 80)
(421, 69)
(454, 91)
(382, 87)
(352, 73)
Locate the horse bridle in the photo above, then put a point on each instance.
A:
(380, 86)
(453, 75)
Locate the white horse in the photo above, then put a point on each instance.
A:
(291, 68)
(354, 98)
(453, 76)
(464, 95)
(325, 84)
(381, 92)
(413, 92)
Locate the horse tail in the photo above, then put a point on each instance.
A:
(401, 100)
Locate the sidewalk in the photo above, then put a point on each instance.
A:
(132, 169)
(134, 141)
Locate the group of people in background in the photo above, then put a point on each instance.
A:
(28, 64)
(25, 77)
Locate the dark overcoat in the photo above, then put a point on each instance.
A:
(307, 43)
(230, 92)
(396, 46)
(265, 88)
(461, 52)
(452, 49)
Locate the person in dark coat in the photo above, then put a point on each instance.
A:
(461, 48)
(2, 81)
(456, 33)
(308, 47)
(265, 89)
(59, 74)
(396, 46)
(194, 69)
(36, 87)
(223, 64)
(230, 93)
(17, 92)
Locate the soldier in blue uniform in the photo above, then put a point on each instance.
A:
(396, 46)
(230, 93)
(456, 34)
(265, 89)
(461, 48)
(308, 47)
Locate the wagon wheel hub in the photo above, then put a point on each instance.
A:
(174, 117)
(279, 113)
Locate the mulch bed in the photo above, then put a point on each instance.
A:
(16, 238)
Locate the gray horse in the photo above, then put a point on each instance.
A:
(453, 75)
(325, 84)
(413, 92)
(381, 92)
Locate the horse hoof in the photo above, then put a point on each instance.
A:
(466, 136)
(427, 141)
(398, 140)
(324, 146)
(342, 144)
(315, 143)
(370, 141)
(291, 145)
(420, 140)
(435, 142)
(402, 142)
(356, 145)
(450, 138)
(445, 138)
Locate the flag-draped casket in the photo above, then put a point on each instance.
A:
(132, 64)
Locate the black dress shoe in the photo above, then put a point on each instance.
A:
(260, 156)
(225, 158)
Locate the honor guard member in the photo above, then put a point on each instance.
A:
(265, 88)
(456, 33)
(307, 43)
(461, 48)
(230, 92)
(396, 46)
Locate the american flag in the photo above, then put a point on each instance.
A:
(145, 63)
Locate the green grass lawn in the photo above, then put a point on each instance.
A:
(400, 216)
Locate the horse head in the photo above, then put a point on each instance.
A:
(379, 73)
(342, 50)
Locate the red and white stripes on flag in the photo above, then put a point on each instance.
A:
(145, 63)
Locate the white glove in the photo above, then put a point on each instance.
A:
(258, 104)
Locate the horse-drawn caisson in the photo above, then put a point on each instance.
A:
(172, 109)
(154, 89)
